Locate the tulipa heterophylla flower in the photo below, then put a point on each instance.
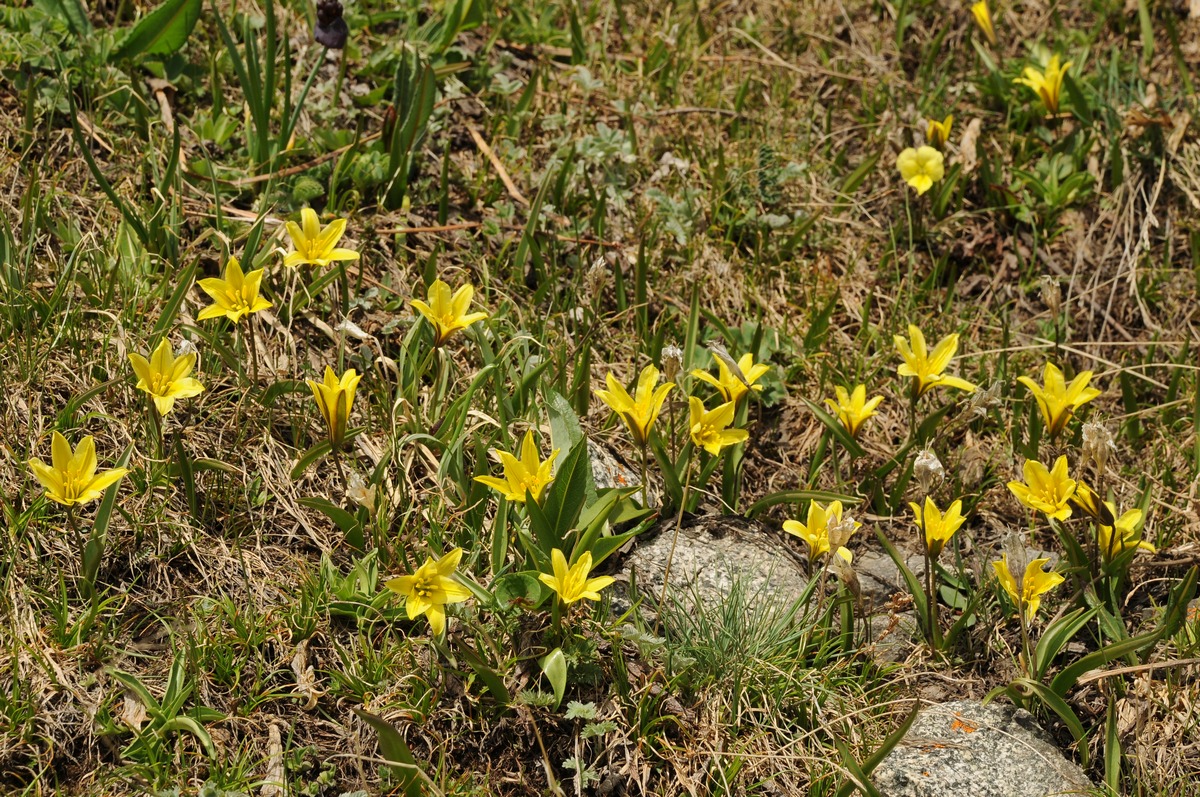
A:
(528, 475)
(571, 583)
(447, 312)
(1048, 491)
(165, 377)
(71, 478)
(1046, 83)
(1058, 400)
(852, 408)
(315, 245)
(938, 133)
(734, 384)
(235, 296)
(430, 589)
(983, 19)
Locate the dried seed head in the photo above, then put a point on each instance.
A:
(672, 362)
(331, 29)
(839, 532)
(985, 399)
(724, 356)
(1051, 294)
(928, 471)
(1017, 557)
(595, 278)
(1098, 445)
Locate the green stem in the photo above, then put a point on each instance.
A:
(687, 483)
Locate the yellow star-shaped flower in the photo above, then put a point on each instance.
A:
(165, 377)
(430, 589)
(315, 245)
(445, 312)
(925, 367)
(527, 474)
(572, 583)
(235, 296)
(71, 476)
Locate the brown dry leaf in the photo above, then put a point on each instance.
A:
(133, 713)
(275, 780)
(966, 145)
(306, 680)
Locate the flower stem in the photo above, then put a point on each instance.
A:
(645, 488)
(253, 347)
(687, 483)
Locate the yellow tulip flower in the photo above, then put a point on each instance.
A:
(1047, 84)
(921, 168)
(430, 589)
(445, 312)
(815, 531)
(938, 528)
(925, 367)
(709, 428)
(527, 474)
(852, 408)
(983, 18)
(938, 133)
(1034, 584)
(1124, 533)
(315, 245)
(234, 296)
(1058, 400)
(71, 477)
(639, 411)
(572, 583)
(727, 382)
(165, 377)
(1086, 501)
(334, 398)
(1048, 491)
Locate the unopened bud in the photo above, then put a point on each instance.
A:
(928, 470)
(672, 362)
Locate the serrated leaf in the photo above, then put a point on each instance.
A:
(581, 711)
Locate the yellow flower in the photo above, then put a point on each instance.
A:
(983, 18)
(528, 473)
(921, 168)
(1058, 400)
(447, 313)
(165, 377)
(1086, 501)
(709, 427)
(571, 583)
(314, 245)
(334, 398)
(852, 408)
(1034, 584)
(639, 411)
(428, 590)
(234, 296)
(1125, 533)
(727, 382)
(938, 528)
(816, 531)
(71, 477)
(924, 367)
(1048, 84)
(1048, 491)
(938, 133)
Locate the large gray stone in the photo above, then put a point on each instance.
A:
(967, 749)
(712, 555)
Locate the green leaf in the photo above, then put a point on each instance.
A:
(1066, 678)
(523, 589)
(167, 316)
(491, 679)
(796, 497)
(73, 11)
(161, 32)
(564, 500)
(910, 579)
(1056, 636)
(554, 665)
(195, 729)
(281, 388)
(341, 518)
(836, 429)
(411, 780)
(319, 450)
(1059, 706)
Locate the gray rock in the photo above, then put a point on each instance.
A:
(609, 471)
(966, 748)
(893, 636)
(712, 555)
(879, 578)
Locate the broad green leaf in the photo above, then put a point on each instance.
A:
(554, 665)
(410, 778)
(161, 32)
